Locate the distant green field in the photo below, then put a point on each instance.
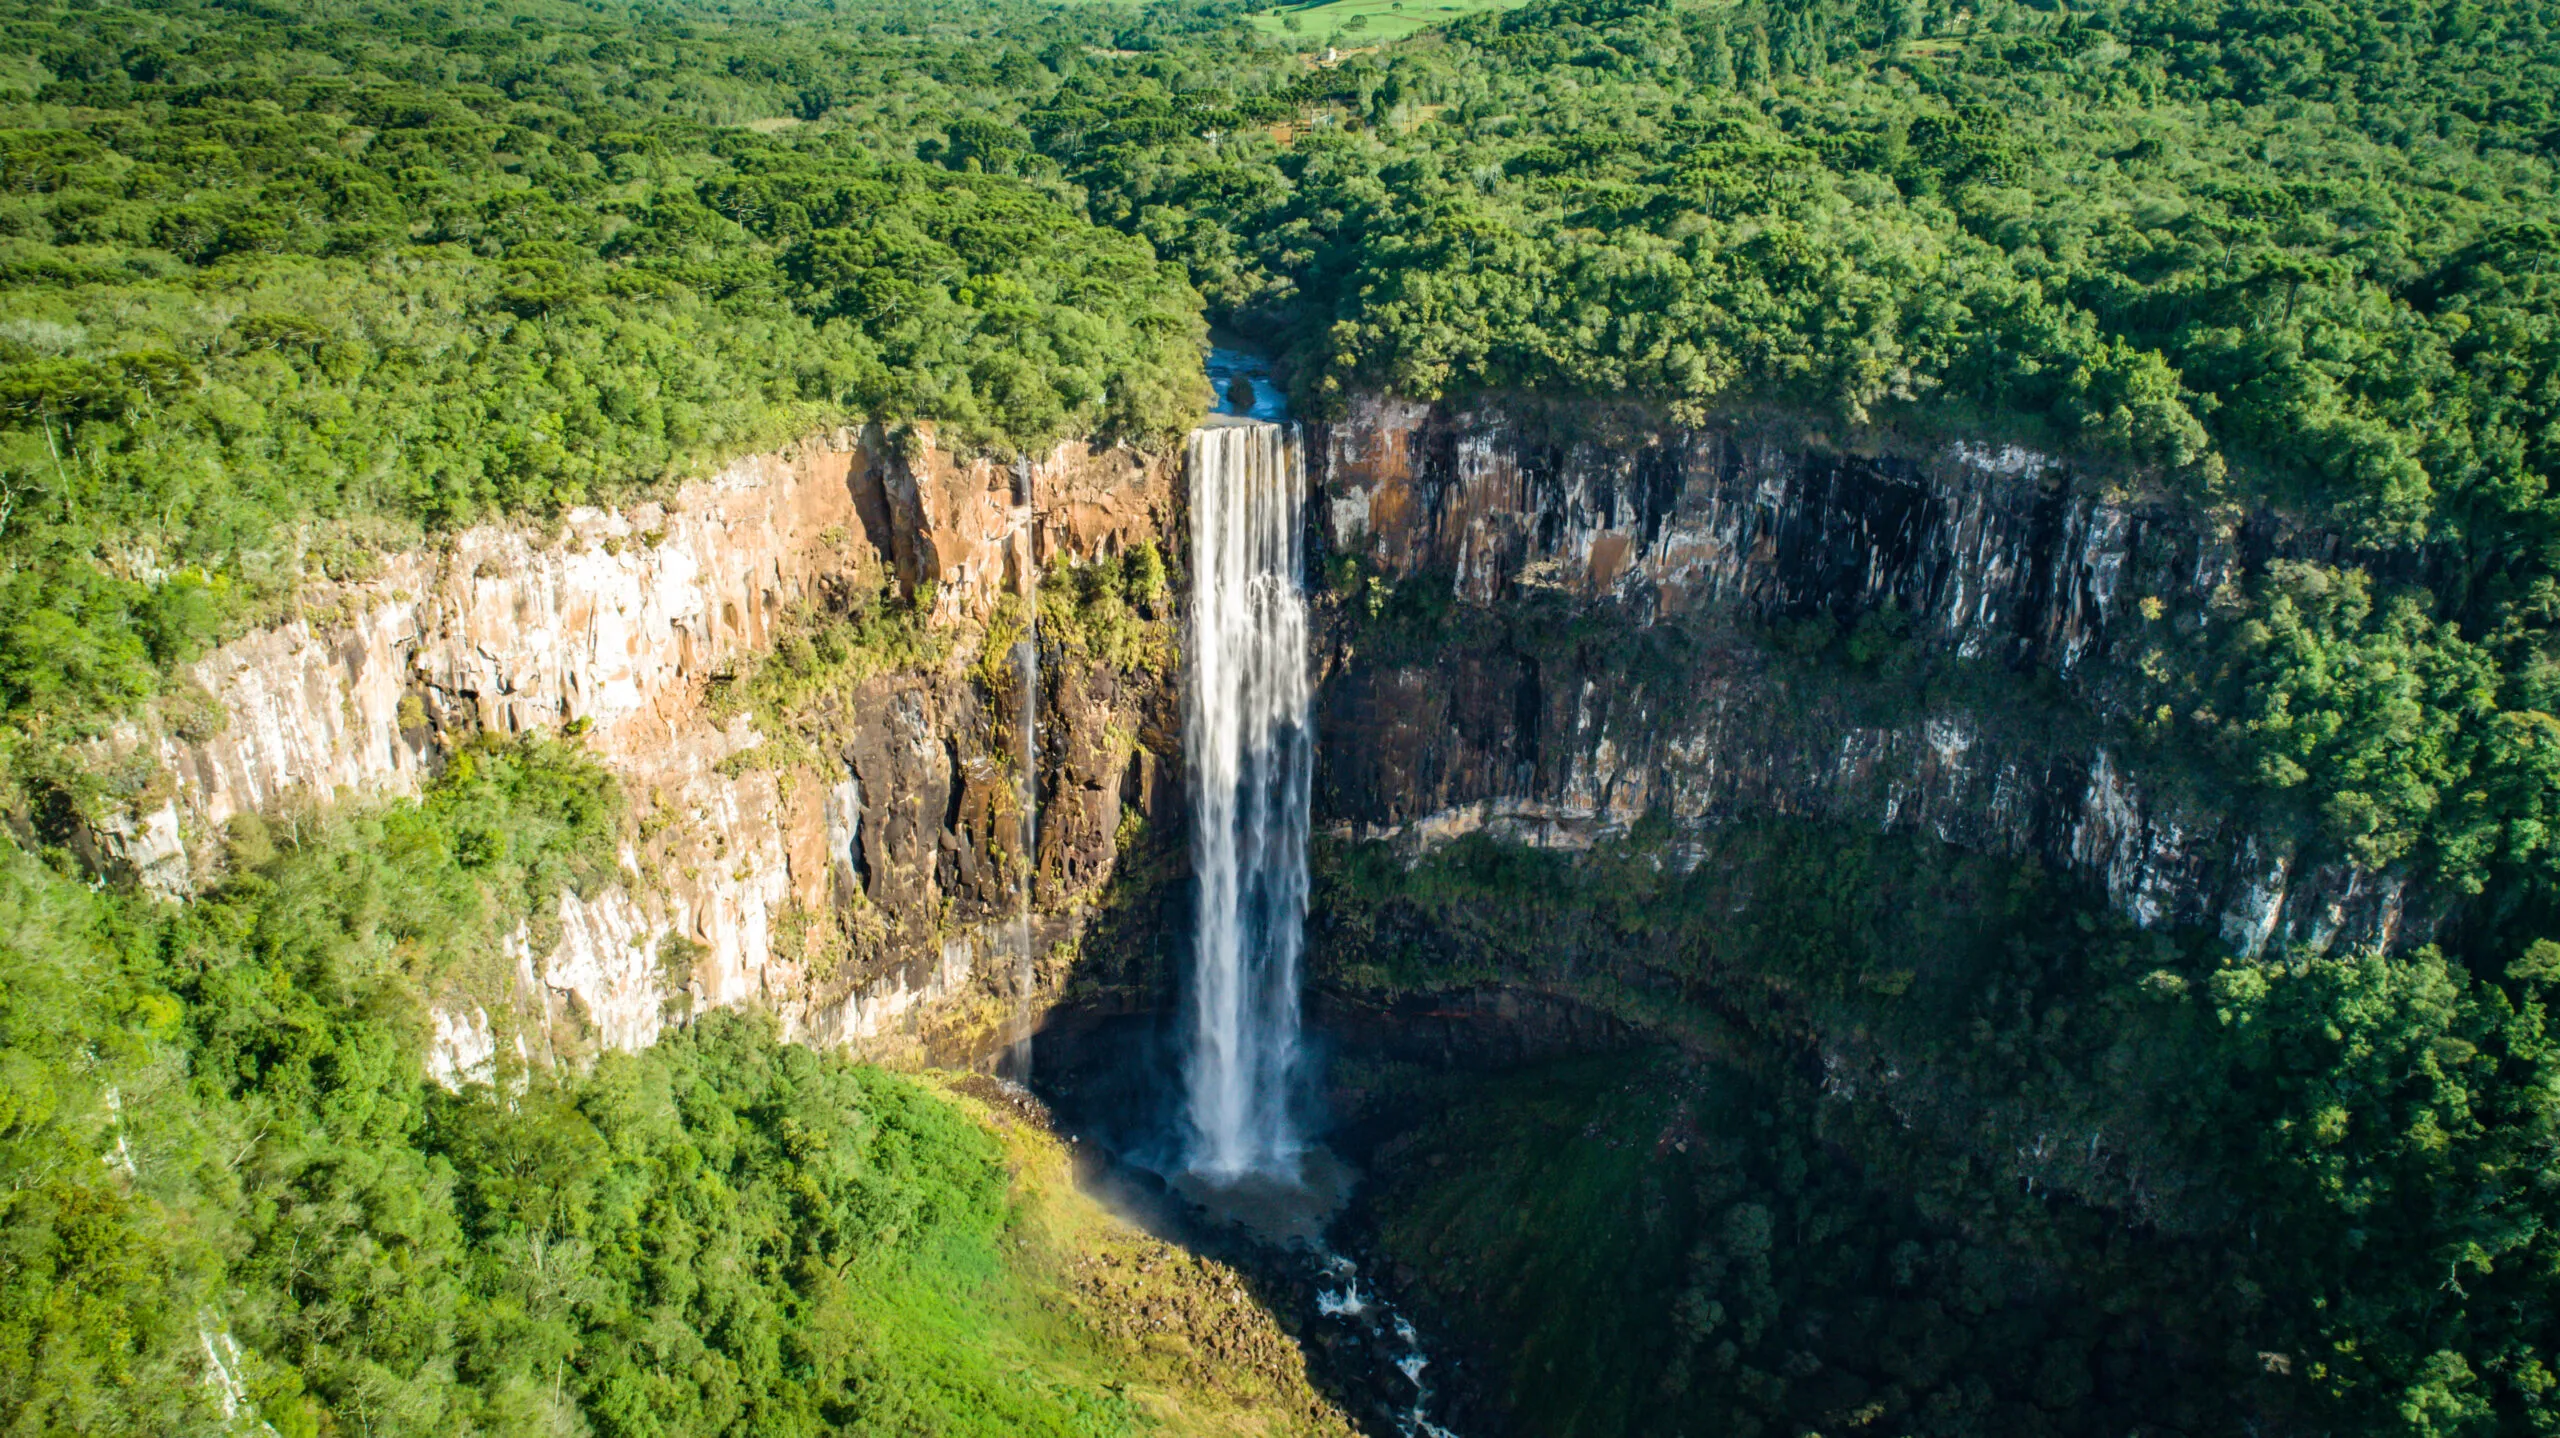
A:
(1332, 21)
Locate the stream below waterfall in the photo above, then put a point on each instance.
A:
(1201, 1123)
(1112, 1083)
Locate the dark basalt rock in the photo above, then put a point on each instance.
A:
(1613, 591)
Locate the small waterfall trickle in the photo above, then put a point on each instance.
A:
(1026, 669)
(1026, 675)
(1252, 751)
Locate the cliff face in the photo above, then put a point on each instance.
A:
(854, 881)
(1560, 535)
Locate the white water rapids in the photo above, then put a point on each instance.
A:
(1364, 1313)
(1247, 730)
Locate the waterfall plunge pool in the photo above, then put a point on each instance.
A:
(1198, 1122)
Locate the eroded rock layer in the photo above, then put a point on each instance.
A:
(1564, 538)
(853, 880)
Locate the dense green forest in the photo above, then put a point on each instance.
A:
(2246, 258)
(280, 292)
(235, 1198)
(284, 290)
(2338, 1161)
(703, 1238)
(283, 287)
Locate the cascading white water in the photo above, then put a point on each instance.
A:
(1026, 674)
(1252, 751)
(1382, 1329)
(1248, 729)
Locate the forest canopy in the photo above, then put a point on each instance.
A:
(277, 1223)
(283, 288)
(273, 285)
(279, 290)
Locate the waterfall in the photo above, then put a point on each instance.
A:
(1251, 745)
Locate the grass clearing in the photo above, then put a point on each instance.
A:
(1351, 24)
(1090, 1306)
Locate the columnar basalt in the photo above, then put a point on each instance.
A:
(1994, 554)
(850, 884)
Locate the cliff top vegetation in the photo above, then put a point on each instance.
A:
(283, 287)
(281, 290)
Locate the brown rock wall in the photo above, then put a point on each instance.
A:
(1614, 585)
(854, 889)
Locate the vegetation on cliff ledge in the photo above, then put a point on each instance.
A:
(280, 288)
(236, 1199)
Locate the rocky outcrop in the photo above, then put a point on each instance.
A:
(1564, 710)
(850, 881)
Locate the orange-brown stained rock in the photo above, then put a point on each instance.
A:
(1610, 552)
(967, 526)
(621, 621)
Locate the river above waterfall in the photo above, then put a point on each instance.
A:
(1227, 365)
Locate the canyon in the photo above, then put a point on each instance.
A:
(857, 881)
(1561, 631)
